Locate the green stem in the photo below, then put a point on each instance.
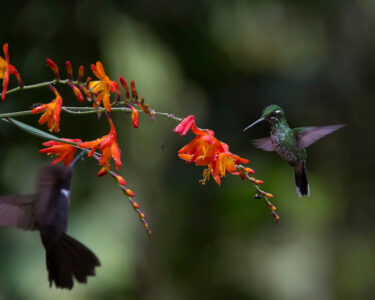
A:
(89, 110)
(74, 110)
(16, 114)
(263, 195)
(38, 85)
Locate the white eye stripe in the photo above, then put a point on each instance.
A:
(277, 111)
(65, 192)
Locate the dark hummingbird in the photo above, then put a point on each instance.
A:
(290, 143)
(47, 211)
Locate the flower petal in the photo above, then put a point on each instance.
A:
(183, 127)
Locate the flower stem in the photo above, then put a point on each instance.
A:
(16, 114)
(89, 110)
(38, 85)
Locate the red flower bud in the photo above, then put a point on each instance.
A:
(125, 86)
(81, 73)
(54, 68)
(103, 171)
(115, 88)
(276, 217)
(69, 69)
(76, 92)
(256, 181)
(135, 205)
(120, 180)
(85, 91)
(134, 90)
(129, 192)
(248, 170)
(88, 81)
(183, 127)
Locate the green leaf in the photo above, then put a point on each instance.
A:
(42, 134)
(36, 131)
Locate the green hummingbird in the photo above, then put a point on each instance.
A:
(290, 143)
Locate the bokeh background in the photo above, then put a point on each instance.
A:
(222, 61)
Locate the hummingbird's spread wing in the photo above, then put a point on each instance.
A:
(16, 210)
(309, 135)
(264, 143)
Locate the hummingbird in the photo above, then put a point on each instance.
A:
(290, 143)
(47, 211)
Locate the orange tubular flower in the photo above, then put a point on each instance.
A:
(7, 69)
(63, 151)
(206, 150)
(135, 117)
(76, 92)
(108, 145)
(103, 87)
(226, 163)
(52, 112)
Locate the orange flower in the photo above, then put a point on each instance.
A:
(135, 117)
(103, 87)
(206, 150)
(201, 150)
(52, 112)
(108, 145)
(7, 69)
(226, 163)
(63, 151)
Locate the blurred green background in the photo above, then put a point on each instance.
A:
(222, 61)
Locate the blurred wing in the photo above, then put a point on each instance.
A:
(16, 211)
(265, 144)
(309, 135)
(52, 194)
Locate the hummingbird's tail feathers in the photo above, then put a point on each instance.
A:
(309, 135)
(67, 259)
(302, 185)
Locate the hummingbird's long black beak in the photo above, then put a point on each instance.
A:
(256, 122)
(77, 158)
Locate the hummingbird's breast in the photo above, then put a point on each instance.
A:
(284, 142)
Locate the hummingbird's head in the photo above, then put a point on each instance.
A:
(272, 113)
